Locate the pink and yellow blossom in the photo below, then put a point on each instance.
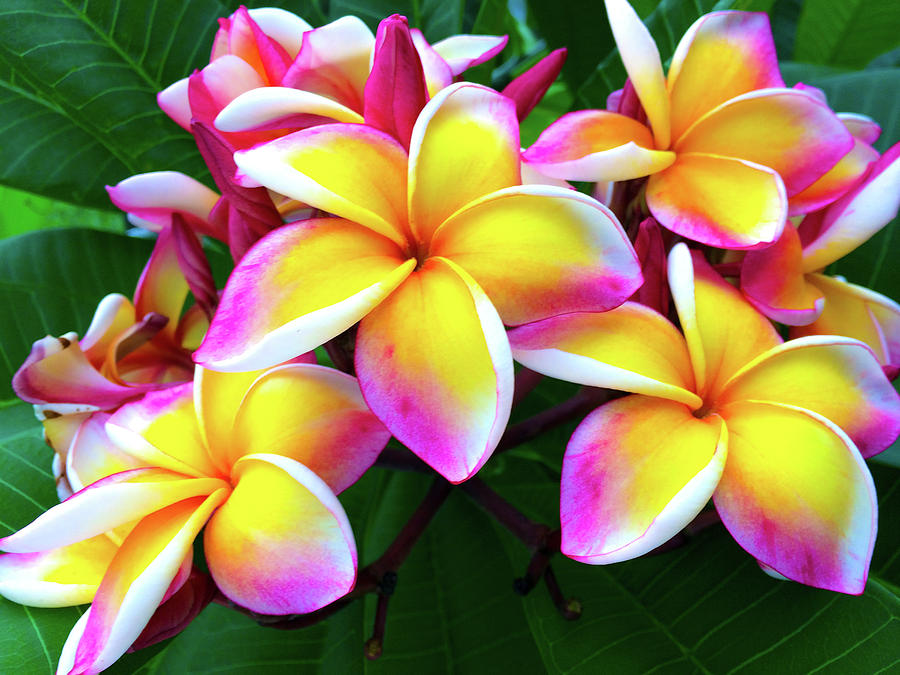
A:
(775, 433)
(432, 251)
(710, 177)
(254, 459)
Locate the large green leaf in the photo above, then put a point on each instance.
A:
(847, 32)
(24, 212)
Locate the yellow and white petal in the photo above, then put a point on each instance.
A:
(641, 58)
(797, 495)
(282, 543)
(723, 331)
(60, 577)
(636, 471)
(87, 513)
(538, 251)
(267, 106)
(719, 201)
(464, 145)
(136, 583)
(350, 170)
(434, 365)
(723, 55)
(836, 377)
(860, 313)
(631, 348)
(297, 288)
(314, 415)
(597, 145)
(162, 430)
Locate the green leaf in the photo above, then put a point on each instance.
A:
(846, 32)
(78, 85)
(437, 19)
(667, 23)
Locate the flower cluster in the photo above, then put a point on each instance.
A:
(380, 206)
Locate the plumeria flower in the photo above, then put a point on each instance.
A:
(255, 458)
(775, 433)
(786, 283)
(711, 177)
(128, 350)
(290, 76)
(431, 251)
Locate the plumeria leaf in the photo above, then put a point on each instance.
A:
(78, 84)
(846, 32)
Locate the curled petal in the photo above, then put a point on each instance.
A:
(858, 215)
(719, 201)
(280, 108)
(60, 577)
(737, 47)
(772, 280)
(838, 378)
(113, 316)
(87, 513)
(58, 376)
(178, 610)
(350, 170)
(334, 61)
(860, 313)
(284, 27)
(243, 37)
(434, 365)
(136, 583)
(862, 127)
(162, 287)
(803, 138)
(636, 471)
(631, 348)
(161, 428)
(299, 557)
(641, 59)
(297, 288)
(153, 197)
(723, 331)
(218, 84)
(314, 415)
(175, 102)
(597, 145)
(797, 496)
(462, 52)
(538, 251)
(465, 145)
